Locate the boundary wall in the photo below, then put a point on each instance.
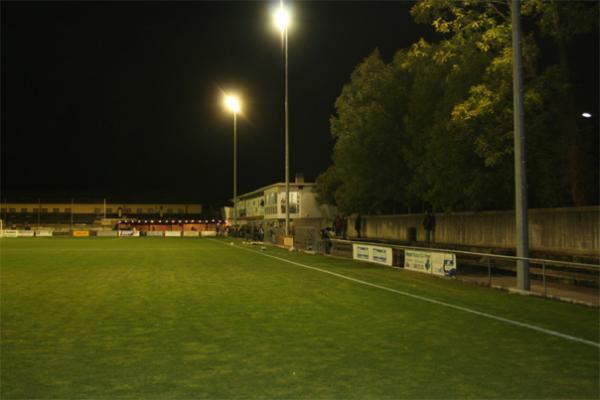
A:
(573, 230)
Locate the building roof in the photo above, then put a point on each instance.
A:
(261, 190)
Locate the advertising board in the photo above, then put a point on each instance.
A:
(374, 254)
(26, 233)
(12, 233)
(209, 233)
(129, 233)
(80, 233)
(191, 233)
(172, 233)
(43, 233)
(106, 233)
(154, 233)
(430, 262)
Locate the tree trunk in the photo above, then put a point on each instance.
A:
(568, 121)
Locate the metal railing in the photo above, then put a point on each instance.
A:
(569, 280)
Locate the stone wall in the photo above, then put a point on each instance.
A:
(572, 230)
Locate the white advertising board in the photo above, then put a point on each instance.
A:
(209, 233)
(430, 262)
(375, 254)
(191, 233)
(106, 233)
(45, 233)
(26, 233)
(154, 233)
(10, 233)
(129, 233)
(172, 233)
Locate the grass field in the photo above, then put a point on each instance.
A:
(200, 318)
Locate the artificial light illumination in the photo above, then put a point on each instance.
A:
(282, 18)
(586, 115)
(232, 103)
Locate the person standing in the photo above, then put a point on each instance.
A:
(337, 225)
(358, 225)
(429, 226)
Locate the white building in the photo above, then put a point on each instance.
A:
(267, 204)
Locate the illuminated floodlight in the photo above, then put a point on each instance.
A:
(232, 103)
(282, 18)
(586, 115)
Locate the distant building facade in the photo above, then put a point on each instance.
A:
(64, 212)
(267, 205)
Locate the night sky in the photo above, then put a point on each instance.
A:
(123, 100)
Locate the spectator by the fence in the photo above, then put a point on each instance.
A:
(337, 225)
(358, 225)
(429, 226)
(326, 237)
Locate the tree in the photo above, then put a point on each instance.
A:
(434, 127)
(368, 139)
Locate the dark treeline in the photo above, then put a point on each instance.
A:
(433, 128)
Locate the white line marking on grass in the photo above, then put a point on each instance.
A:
(433, 301)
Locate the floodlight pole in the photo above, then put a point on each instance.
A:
(72, 205)
(287, 142)
(234, 168)
(522, 231)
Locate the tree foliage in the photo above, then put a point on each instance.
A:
(434, 127)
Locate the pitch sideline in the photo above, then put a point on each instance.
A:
(433, 301)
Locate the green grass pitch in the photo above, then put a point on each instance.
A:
(199, 318)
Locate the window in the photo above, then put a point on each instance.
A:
(139, 211)
(3, 210)
(44, 211)
(68, 209)
(96, 210)
(151, 211)
(109, 210)
(180, 210)
(127, 210)
(55, 210)
(23, 210)
(13, 210)
(294, 202)
(170, 210)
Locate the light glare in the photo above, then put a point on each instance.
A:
(282, 18)
(232, 103)
(586, 115)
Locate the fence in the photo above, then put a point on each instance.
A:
(577, 282)
(569, 230)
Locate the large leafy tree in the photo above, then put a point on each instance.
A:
(368, 139)
(433, 128)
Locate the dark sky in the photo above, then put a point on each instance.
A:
(123, 100)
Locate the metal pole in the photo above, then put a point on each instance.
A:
(489, 265)
(287, 143)
(522, 238)
(104, 208)
(72, 205)
(234, 169)
(544, 276)
(39, 211)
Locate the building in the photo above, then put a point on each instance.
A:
(35, 213)
(266, 205)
